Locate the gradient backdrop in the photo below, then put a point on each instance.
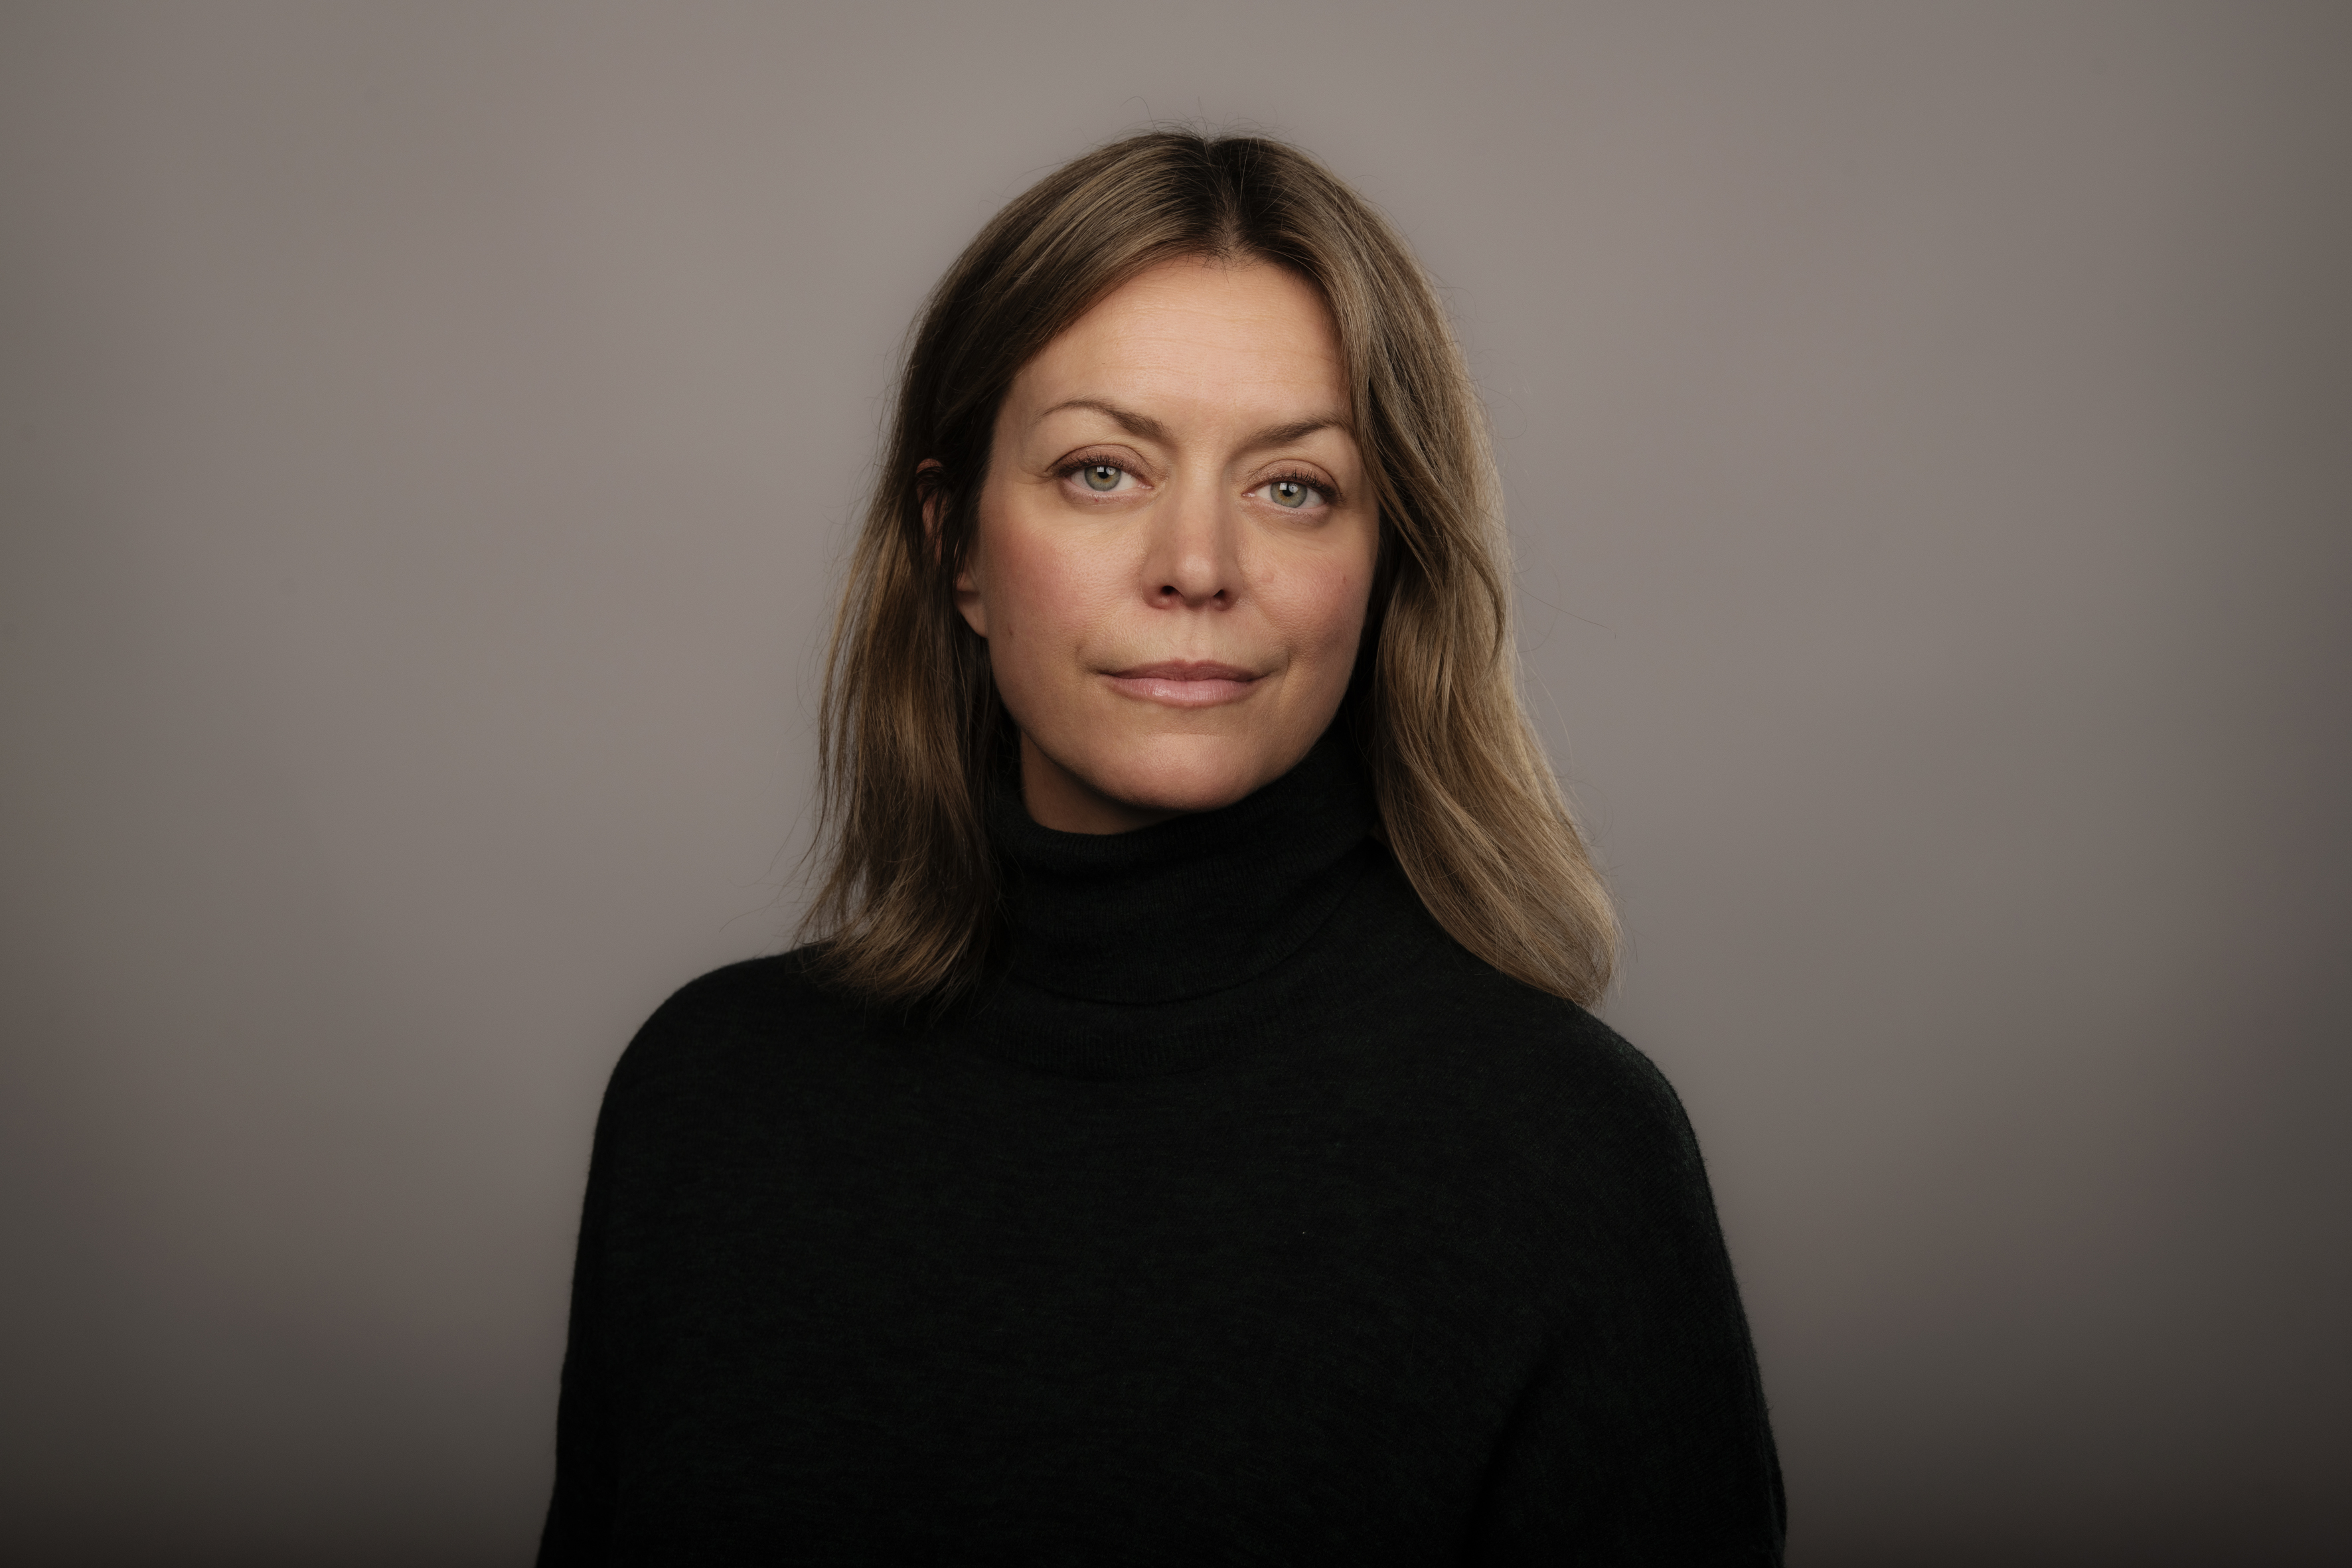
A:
(429, 436)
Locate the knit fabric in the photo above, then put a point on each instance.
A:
(1246, 1219)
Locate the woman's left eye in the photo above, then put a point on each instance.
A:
(1103, 476)
(1291, 493)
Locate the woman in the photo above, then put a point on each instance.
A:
(1184, 1143)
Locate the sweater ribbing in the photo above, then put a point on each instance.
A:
(1247, 1217)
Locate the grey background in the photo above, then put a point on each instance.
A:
(430, 435)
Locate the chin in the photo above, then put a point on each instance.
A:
(1189, 773)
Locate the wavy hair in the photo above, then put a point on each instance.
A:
(909, 907)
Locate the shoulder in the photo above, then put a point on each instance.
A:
(1458, 1016)
(1578, 1127)
(1534, 1078)
(718, 1033)
(1562, 1069)
(1554, 1049)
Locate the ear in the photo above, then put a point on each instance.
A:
(967, 585)
(969, 605)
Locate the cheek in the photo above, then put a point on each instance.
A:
(1035, 592)
(1321, 604)
(1047, 599)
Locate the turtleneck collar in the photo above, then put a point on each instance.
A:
(1194, 905)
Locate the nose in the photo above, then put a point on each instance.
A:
(1192, 560)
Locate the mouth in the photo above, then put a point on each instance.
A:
(1179, 683)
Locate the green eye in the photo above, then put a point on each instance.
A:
(1288, 492)
(1102, 477)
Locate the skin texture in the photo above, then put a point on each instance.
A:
(1177, 637)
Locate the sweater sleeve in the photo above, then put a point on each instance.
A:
(1640, 1436)
(593, 1405)
(660, 1090)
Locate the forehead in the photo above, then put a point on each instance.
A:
(1198, 330)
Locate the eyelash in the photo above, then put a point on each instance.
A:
(1076, 466)
(1071, 470)
(1300, 476)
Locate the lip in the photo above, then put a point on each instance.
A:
(1182, 683)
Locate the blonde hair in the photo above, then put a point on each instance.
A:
(913, 735)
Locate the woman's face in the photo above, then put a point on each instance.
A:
(1175, 547)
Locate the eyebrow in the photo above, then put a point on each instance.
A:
(1151, 429)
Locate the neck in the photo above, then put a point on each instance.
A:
(1195, 903)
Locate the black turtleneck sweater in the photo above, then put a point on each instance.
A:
(1247, 1219)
